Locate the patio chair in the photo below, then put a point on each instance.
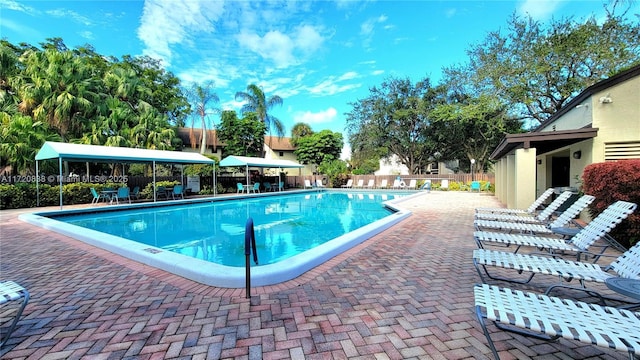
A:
(349, 184)
(135, 193)
(98, 196)
(281, 186)
(177, 192)
(383, 184)
(307, 184)
(550, 318)
(426, 185)
(475, 186)
(397, 184)
(444, 184)
(319, 183)
(541, 218)
(240, 188)
(413, 184)
(579, 244)
(487, 186)
(360, 184)
(162, 191)
(371, 184)
(626, 265)
(267, 186)
(530, 210)
(122, 194)
(11, 291)
(256, 188)
(561, 221)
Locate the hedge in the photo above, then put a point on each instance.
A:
(610, 182)
(23, 195)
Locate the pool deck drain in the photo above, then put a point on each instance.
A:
(407, 293)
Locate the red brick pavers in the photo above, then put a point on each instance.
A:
(404, 294)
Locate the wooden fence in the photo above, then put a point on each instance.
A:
(229, 182)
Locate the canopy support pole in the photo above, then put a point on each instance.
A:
(60, 178)
(37, 186)
(154, 181)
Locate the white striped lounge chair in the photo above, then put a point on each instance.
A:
(541, 218)
(596, 229)
(12, 291)
(530, 210)
(549, 318)
(626, 265)
(563, 220)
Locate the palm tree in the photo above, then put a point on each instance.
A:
(58, 90)
(257, 102)
(300, 130)
(200, 98)
(20, 140)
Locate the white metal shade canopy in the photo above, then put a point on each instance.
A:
(246, 162)
(97, 153)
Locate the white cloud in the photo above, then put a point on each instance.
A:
(70, 14)
(322, 117)
(367, 29)
(14, 5)
(377, 72)
(332, 85)
(274, 46)
(168, 22)
(348, 76)
(283, 49)
(86, 34)
(538, 9)
(329, 87)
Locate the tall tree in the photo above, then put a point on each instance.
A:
(300, 130)
(257, 102)
(394, 120)
(317, 148)
(202, 99)
(20, 140)
(58, 90)
(538, 68)
(244, 136)
(469, 127)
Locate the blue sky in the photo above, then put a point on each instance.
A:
(317, 55)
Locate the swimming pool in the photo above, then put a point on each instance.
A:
(288, 242)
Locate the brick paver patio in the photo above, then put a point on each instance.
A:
(404, 294)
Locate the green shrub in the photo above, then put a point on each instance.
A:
(147, 192)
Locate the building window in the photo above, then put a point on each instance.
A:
(281, 153)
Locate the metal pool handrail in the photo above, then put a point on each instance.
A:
(249, 244)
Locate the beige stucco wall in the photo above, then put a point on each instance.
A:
(578, 117)
(619, 120)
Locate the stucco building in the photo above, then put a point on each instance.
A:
(274, 147)
(601, 124)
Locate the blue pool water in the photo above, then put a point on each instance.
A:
(285, 225)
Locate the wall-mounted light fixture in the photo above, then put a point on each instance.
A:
(577, 154)
(539, 161)
(606, 99)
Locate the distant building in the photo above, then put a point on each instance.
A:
(274, 147)
(392, 166)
